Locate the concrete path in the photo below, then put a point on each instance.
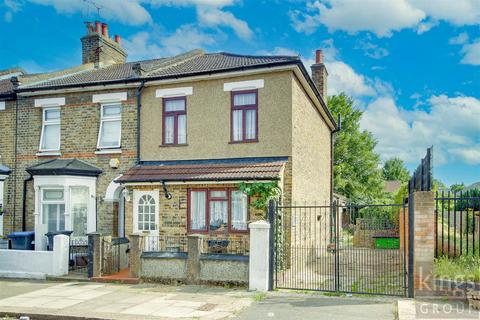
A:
(111, 301)
(292, 306)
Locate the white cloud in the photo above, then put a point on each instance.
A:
(183, 3)
(342, 78)
(383, 17)
(471, 53)
(462, 38)
(457, 12)
(144, 45)
(129, 12)
(406, 133)
(210, 13)
(371, 49)
(214, 17)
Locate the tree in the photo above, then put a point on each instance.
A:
(457, 187)
(394, 169)
(356, 166)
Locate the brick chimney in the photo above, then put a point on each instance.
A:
(99, 48)
(319, 74)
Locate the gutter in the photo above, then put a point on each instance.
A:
(139, 105)
(24, 202)
(332, 140)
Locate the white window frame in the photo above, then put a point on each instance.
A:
(109, 119)
(59, 202)
(50, 122)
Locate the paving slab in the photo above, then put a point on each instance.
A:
(295, 306)
(120, 301)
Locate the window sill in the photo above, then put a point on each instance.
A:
(246, 141)
(109, 151)
(173, 145)
(48, 154)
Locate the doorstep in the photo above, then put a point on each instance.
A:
(123, 276)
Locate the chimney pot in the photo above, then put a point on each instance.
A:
(97, 26)
(318, 56)
(105, 30)
(118, 39)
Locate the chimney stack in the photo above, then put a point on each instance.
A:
(319, 74)
(105, 30)
(99, 48)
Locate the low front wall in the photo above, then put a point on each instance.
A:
(224, 268)
(36, 264)
(214, 268)
(164, 266)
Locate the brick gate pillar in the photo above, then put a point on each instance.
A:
(423, 241)
(135, 254)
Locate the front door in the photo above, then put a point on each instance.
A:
(146, 217)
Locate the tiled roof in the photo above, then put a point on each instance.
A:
(64, 167)
(6, 87)
(221, 61)
(192, 62)
(205, 171)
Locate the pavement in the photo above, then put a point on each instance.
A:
(49, 300)
(85, 300)
(293, 305)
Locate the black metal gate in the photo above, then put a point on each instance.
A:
(340, 248)
(114, 255)
(78, 256)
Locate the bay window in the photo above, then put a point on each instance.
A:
(223, 209)
(50, 137)
(110, 132)
(174, 121)
(244, 116)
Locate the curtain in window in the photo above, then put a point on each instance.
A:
(237, 125)
(250, 125)
(244, 99)
(79, 204)
(197, 211)
(239, 210)
(169, 129)
(54, 216)
(110, 135)
(174, 105)
(218, 214)
(51, 137)
(182, 129)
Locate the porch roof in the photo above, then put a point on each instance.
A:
(4, 170)
(69, 167)
(207, 170)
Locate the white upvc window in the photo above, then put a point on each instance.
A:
(110, 133)
(50, 137)
(53, 209)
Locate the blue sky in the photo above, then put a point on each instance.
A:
(413, 66)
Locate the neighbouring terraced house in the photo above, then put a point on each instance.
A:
(159, 146)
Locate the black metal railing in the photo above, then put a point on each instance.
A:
(235, 244)
(457, 221)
